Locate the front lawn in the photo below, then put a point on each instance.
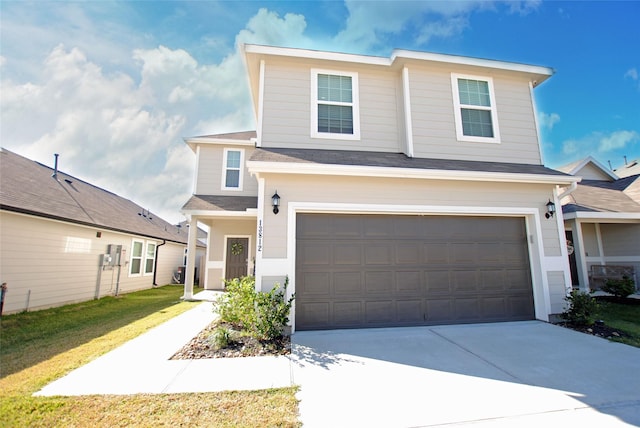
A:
(623, 317)
(38, 347)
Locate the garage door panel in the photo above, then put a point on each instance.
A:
(313, 315)
(378, 282)
(410, 311)
(377, 254)
(382, 270)
(315, 253)
(347, 313)
(347, 283)
(408, 282)
(379, 312)
(438, 282)
(313, 285)
(347, 254)
(407, 253)
(439, 310)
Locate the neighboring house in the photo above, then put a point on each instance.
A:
(396, 191)
(628, 169)
(602, 222)
(64, 240)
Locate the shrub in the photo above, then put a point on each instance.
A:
(221, 338)
(582, 309)
(620, 287)
(272, 312)
(263, 315)
(237, 305)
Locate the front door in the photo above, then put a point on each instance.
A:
(237, 257)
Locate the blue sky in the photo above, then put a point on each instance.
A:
(115, 86)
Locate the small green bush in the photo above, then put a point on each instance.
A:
(237, 305)
(619, 287)
(582, 310)
(272, 312)
(263, 315)
(221, 338)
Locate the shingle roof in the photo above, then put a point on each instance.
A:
(243, 135)
(392, 160)
(602, 196)
(28, 187)
(221, 203)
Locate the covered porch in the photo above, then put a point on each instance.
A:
(231, 247)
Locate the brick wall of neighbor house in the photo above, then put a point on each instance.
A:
(218, 229)
(209, 178)
(48, 263)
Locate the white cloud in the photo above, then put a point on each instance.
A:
(598, 143)
(548, 120)
(369, 24)
(633, 75)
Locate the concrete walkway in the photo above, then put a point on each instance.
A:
(482, 375)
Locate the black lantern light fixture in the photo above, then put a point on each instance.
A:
(275, 202)
(551, 209)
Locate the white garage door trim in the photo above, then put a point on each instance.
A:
(541, 298)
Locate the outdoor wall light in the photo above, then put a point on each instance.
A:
(275, 202)
(551, 209)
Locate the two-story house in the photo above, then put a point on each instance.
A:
(407, 190)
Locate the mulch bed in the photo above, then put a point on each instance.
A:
(203, 345)
(600, 329)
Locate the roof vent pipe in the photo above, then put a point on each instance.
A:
(55, 166)
(625, 161)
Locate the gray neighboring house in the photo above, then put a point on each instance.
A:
(64, 240)
(602, 225)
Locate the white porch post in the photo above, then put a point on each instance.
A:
(579, 251)
(191, 258)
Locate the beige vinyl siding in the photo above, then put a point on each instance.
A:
(592, 172)
(384, 191)
(42, 270)
(557, 291)
(590, 240)
(621, 240)
(210, 171)
(287, 108)
(432, 106)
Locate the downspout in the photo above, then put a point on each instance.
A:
(572, 187)
(155, 263)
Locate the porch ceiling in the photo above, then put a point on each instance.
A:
(221, 203)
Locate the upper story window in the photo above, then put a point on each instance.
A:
(475, 110)
(334, 105)
(232, 169)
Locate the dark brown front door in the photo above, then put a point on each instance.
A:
(355, 271)
(237, 257)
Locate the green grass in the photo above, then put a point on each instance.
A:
(625, 318)
(38, 347)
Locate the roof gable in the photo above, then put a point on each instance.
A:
(29, 187)
(589, 169)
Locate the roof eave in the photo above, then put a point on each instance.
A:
(250, 213)
(599, 215)
(258, 167)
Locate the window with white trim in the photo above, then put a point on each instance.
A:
(135, 265)
(334, 105)
(150, 258)
(143, 257)
(232, 169)
(475, 109)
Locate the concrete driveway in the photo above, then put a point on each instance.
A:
(498, 375)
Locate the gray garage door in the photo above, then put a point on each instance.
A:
(356, 271)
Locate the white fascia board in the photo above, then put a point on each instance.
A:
(604, 216)
(250, 213)
(313, 54)
(475, 62)
(386, 172)
(192, 142)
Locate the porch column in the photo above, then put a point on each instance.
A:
(581, 262)
(191, 258)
